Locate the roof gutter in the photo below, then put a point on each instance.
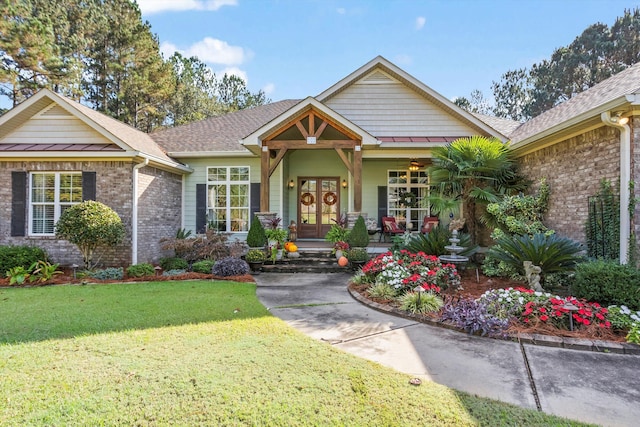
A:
(134, 213)
(620, 123)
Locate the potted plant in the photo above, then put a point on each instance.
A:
(340, 247)
(357, 257)
(338, 231)
(276, 238)
(255, 258)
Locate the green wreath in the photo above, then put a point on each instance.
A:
(407, 198)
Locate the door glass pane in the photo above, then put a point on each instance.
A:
(329, 201)
(308, 201)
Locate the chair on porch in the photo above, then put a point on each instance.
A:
(389, 228)
(429, 223)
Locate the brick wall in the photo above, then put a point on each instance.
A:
(113, 188)
(159, 212)
(574, 168)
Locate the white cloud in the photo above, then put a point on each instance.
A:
(158, 6)
(420, 21)
(269, 88)
(234, 71)
(167, 49)
(341, 11)
(211, 51)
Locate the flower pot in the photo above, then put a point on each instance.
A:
(339, 254)
(255, 266)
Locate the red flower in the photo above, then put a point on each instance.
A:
(544, 317)
(542, 310)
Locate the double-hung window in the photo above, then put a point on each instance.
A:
(228, 198)
(51, 193)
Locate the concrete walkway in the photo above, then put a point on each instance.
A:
(601, 388)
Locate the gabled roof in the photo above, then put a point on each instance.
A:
(122, 137)
(219, 135)
(504, 126)
(381, 63)
(617, 91)
(307, 104)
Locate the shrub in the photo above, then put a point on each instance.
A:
(608, 283)
(382, 291)
(211, 245)
(357, 255)
(175, 272)
(622, 317)
(255, 255)
(337, 233)
(203, 266)
(17, 275)
(141, 270)
(472, 316)
(602, 228)
(551, 253)
(174, 264)
(420, 302)
(433, 242)
(111, 273)
(20, 256)
(230, 266)
(90, 225)
(359, 236)
(256, 238)
(43, 271)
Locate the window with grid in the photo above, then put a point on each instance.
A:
(228, 198)
(405, 193)
(51, 193)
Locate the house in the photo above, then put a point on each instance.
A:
(362, 146)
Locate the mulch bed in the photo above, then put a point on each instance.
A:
(474, 284)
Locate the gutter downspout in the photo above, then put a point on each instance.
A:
(625, 178)
(134, 213)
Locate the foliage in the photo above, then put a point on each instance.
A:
(595, 55)
(622, 318)
(203, 266)
(255, 255)
(256, 237)
(633, 251)
(336, 233)
(406, 270)
(608, 283)
(211, 245)
(90, 225)
(174, 264)
(278, 235)
(141, 270)
(472, 316)
(43, 271)
(230, 266)
(433, 242)
(475, 171)
(174, 272)
(358, 237)
(183, 233)
(551, 253)
(110, 273)
(603, 224)
(420, 302)
(382, 291)
(17, 275)
(357, 254)
(20, 256)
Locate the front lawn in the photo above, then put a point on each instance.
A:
(200, 353)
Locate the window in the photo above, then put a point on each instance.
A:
(405, 193)
(51, 193)
(228, 198)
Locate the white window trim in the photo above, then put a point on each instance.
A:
(228, 183)
(56, 203)
(407, 186)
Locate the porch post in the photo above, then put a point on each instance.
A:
(357, 178)
(264, 179)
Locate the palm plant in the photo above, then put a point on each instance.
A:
(475, 171)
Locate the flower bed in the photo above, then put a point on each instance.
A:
(503, 309)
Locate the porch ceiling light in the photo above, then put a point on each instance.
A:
(414, 165)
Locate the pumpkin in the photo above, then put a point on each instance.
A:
(290, 247)
(343, 261)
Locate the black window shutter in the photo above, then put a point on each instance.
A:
(382, 203)
(88, 186)
(254, 203)
(201, 208)
(18, 203)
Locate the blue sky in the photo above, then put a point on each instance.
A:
(298, 48)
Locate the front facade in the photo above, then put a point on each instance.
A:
(363, 146)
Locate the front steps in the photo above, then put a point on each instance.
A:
(310, 261)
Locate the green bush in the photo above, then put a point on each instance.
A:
(420, 302)
(111, 273)
(203, 266)
(551, 253)
(175, 272)
(90, 225)
(141, 270)
(174, 264)
(608, 283)
(433, 242)
(20, 256)
(256, 237)
(382, 290)
(358, 237)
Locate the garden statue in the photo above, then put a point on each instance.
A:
(293, 231)
(532, 272)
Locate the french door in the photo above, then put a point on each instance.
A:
(318, 205)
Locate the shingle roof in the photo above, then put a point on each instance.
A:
(624, 83)
(221, 133)
(504, 126)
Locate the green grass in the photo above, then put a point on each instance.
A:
(200, 353)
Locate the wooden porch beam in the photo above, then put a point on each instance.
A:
(357, 178)
(277, 160)
(264, 179)
(321, 129)
(302, 144)
(302, 130)
(345, 160)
